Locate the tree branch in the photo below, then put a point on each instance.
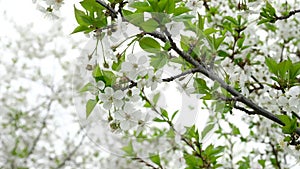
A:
(291, 13)
(146, 163)
(113, 12)
(35, 141)
(191, 71)
(63, 163)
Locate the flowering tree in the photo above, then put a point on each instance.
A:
(239, 58)
(235, 56)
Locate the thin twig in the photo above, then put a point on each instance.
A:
(191, 71)
(291, 13)
(37, 138)
(146, 163)
(71, 153)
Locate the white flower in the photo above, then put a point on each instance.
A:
(143, 123)
(128, 117)
(134, 66)
(153, 79)
(175, 27)
(134, 95)
(56, 4)
(109, 98)
(47, 11)
(121, 31)
(95, 87)
(194, 5)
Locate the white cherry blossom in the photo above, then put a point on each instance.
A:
(134, 66)
(154, 79)
(111, 97)
(128, 116)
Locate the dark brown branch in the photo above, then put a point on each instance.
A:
(291, 13)
(206, 5)
(244, 110)
(113, 12)
(146, 163)
(180, 75)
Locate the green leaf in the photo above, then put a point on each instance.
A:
(174, 114)
(109, 78)
(200, 86)
(82, 28)
(90, 105)
(164, 113)
(206, 130)
(284, 67)
(222, 53)
(155, 98)
(181, 10)
(129, 149)
(136, 19)
(294, 70)
(155, 158)
(262, 163)
(159, 120)
(184, 42)
(270, 8)
(97, 72)
(149, 45)
(201, 22)
(209, 31)
(183, 18)
(86, 87)
(167, 46)
(218, 42)
(192, 161)
(149, 25)
(240, 41)
(159, 60)
(272, 65)
(147, 105)
(290, 124)
(231, 19)
(91, 5)
(116, 66)
(79, 17)
(170, 6)
(141, 7)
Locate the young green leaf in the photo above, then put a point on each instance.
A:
(149, 45)
(149, 25)
(159, 60)
(90, 105)
(206, 130)
(155, 159)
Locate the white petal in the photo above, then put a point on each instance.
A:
(118, 103)
(119, 115)
(126, 67)
(142, 60)
(107, 105)
(131, 58)
(125, 125)
(118, 95)
(109, 91)
(100, 85)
